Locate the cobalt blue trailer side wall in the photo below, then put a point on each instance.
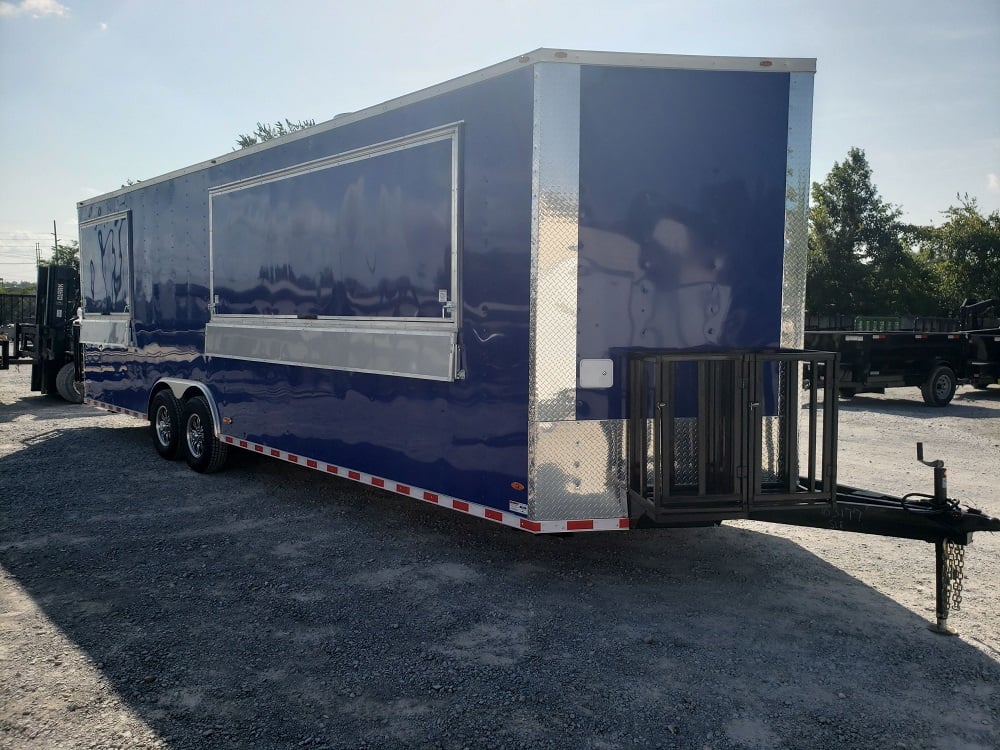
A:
(464, 438)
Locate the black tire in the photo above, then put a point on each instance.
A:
(165, 424)
(203, 450)
(67, 385)
(847, 393)
(940, 386)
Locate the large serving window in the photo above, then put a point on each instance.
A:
(348, 262)
(106, 280)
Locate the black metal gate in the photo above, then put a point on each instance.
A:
(715, 436)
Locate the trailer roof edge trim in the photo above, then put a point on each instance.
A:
(542, 55)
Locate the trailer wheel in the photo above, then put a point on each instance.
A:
(166, 424)
(940, 386)
(203, 450)
(67, 385)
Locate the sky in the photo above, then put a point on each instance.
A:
(96, 92)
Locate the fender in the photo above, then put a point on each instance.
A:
(182, 388)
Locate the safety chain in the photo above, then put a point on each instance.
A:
(954, 573)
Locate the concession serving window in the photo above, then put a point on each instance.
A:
(347, 263)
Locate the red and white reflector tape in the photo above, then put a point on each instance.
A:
(114, 409)
(444, 501)
(452, 503)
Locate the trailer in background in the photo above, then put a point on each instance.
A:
(564, 293)
(935, 355)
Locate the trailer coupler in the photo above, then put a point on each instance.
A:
(932, 518)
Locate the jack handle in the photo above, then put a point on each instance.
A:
(940, 476)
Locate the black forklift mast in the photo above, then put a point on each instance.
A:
(715, 436)
(53, 340)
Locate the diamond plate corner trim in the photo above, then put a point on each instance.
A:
(793, 282)
(555, 205)
(576, 470)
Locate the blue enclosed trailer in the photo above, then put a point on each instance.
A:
(563, 293)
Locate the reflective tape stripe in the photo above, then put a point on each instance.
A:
(462, 506)
(114, 409)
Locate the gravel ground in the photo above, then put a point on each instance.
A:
(145, 606)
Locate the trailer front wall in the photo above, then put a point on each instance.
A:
(682, 202)
(688, 188)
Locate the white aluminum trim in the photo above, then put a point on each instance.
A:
(108, 331)
(555, 211)
(413, 140)
(431, 326)
(101, 219)
(350, 348)
(796, 231)
(422, 138)
(624, 59)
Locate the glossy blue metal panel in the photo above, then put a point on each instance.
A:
(367, 238)
(467, 438)
(682, 180)
(105, 279)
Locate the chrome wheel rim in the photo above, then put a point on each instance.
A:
(164, 432)
(195, 436)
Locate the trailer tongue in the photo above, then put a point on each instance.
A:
(931, 518)
(725, 437)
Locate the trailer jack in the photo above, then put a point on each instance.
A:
(949, 558)
(933, 518)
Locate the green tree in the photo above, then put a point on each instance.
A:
(266, 131)
(65, 255)
(964, 253)
(860, 259)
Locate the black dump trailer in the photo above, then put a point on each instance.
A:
(52, 342)
(935, 355)
(984, 352)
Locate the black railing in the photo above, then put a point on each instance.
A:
(714, 436)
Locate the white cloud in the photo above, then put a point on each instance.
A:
(33, 8)
(104, 26)
(993, 183)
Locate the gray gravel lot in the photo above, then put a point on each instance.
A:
(143, 605)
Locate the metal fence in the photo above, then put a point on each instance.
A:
(17, 308)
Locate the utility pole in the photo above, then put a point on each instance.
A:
(55, 239)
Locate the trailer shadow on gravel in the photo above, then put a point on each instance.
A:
(267, 607)
(43, 407)
(966, 405)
